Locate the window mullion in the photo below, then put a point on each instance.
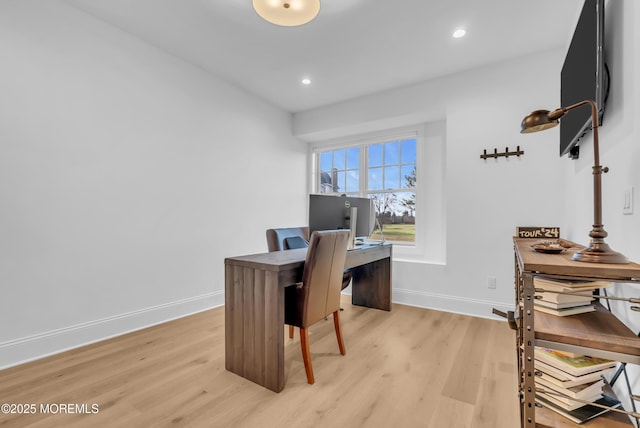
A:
(318, 173)
(364, 170)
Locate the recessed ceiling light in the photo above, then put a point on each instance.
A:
(306, 81)
(460, 32)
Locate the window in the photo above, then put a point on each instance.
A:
(340, 171)
(385, 171)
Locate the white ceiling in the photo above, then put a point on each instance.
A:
(353, 47)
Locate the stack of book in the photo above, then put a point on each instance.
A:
(553, 302)
(562, 378)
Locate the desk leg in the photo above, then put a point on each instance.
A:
(254, 326)
(371, 285)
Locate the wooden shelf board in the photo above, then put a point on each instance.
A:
(549, 418)
(598, 330)
(561, 264)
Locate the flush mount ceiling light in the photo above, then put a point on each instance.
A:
(459, 33)
(287, 13)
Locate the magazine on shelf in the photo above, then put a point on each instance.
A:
(553, 305)
(564, 379)
(569, 286)
(584, 413)
(584, 391)
(565, 298)
(565, 403)
(575, 365)
(574, 310)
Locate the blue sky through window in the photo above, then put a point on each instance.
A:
(398, 159)
(388, 166)
(375, 155)
(353, 158)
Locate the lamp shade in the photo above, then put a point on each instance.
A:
(287, 13)
(537, 121)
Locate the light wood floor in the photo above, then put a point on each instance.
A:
(409, 367)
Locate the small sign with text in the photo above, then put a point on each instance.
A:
(538, 232)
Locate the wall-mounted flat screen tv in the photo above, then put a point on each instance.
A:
(584, 76)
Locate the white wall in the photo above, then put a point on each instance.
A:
(126, 177)
(484, 201)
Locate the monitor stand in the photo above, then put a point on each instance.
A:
(353, 222)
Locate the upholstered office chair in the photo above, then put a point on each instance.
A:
(285, 238)
(289, 238)
(318, 295)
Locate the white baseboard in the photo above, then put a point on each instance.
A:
(34, 347)
(441, 302)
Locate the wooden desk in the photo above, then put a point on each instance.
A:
(254, 305)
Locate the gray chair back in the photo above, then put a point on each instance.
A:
(276, 237)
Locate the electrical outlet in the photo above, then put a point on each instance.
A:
(628, 201)
(491, 282)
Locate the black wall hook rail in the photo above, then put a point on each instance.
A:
(506, 153)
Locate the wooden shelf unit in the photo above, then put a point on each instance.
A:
(599, 333)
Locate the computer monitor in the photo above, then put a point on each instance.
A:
(329, 212)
